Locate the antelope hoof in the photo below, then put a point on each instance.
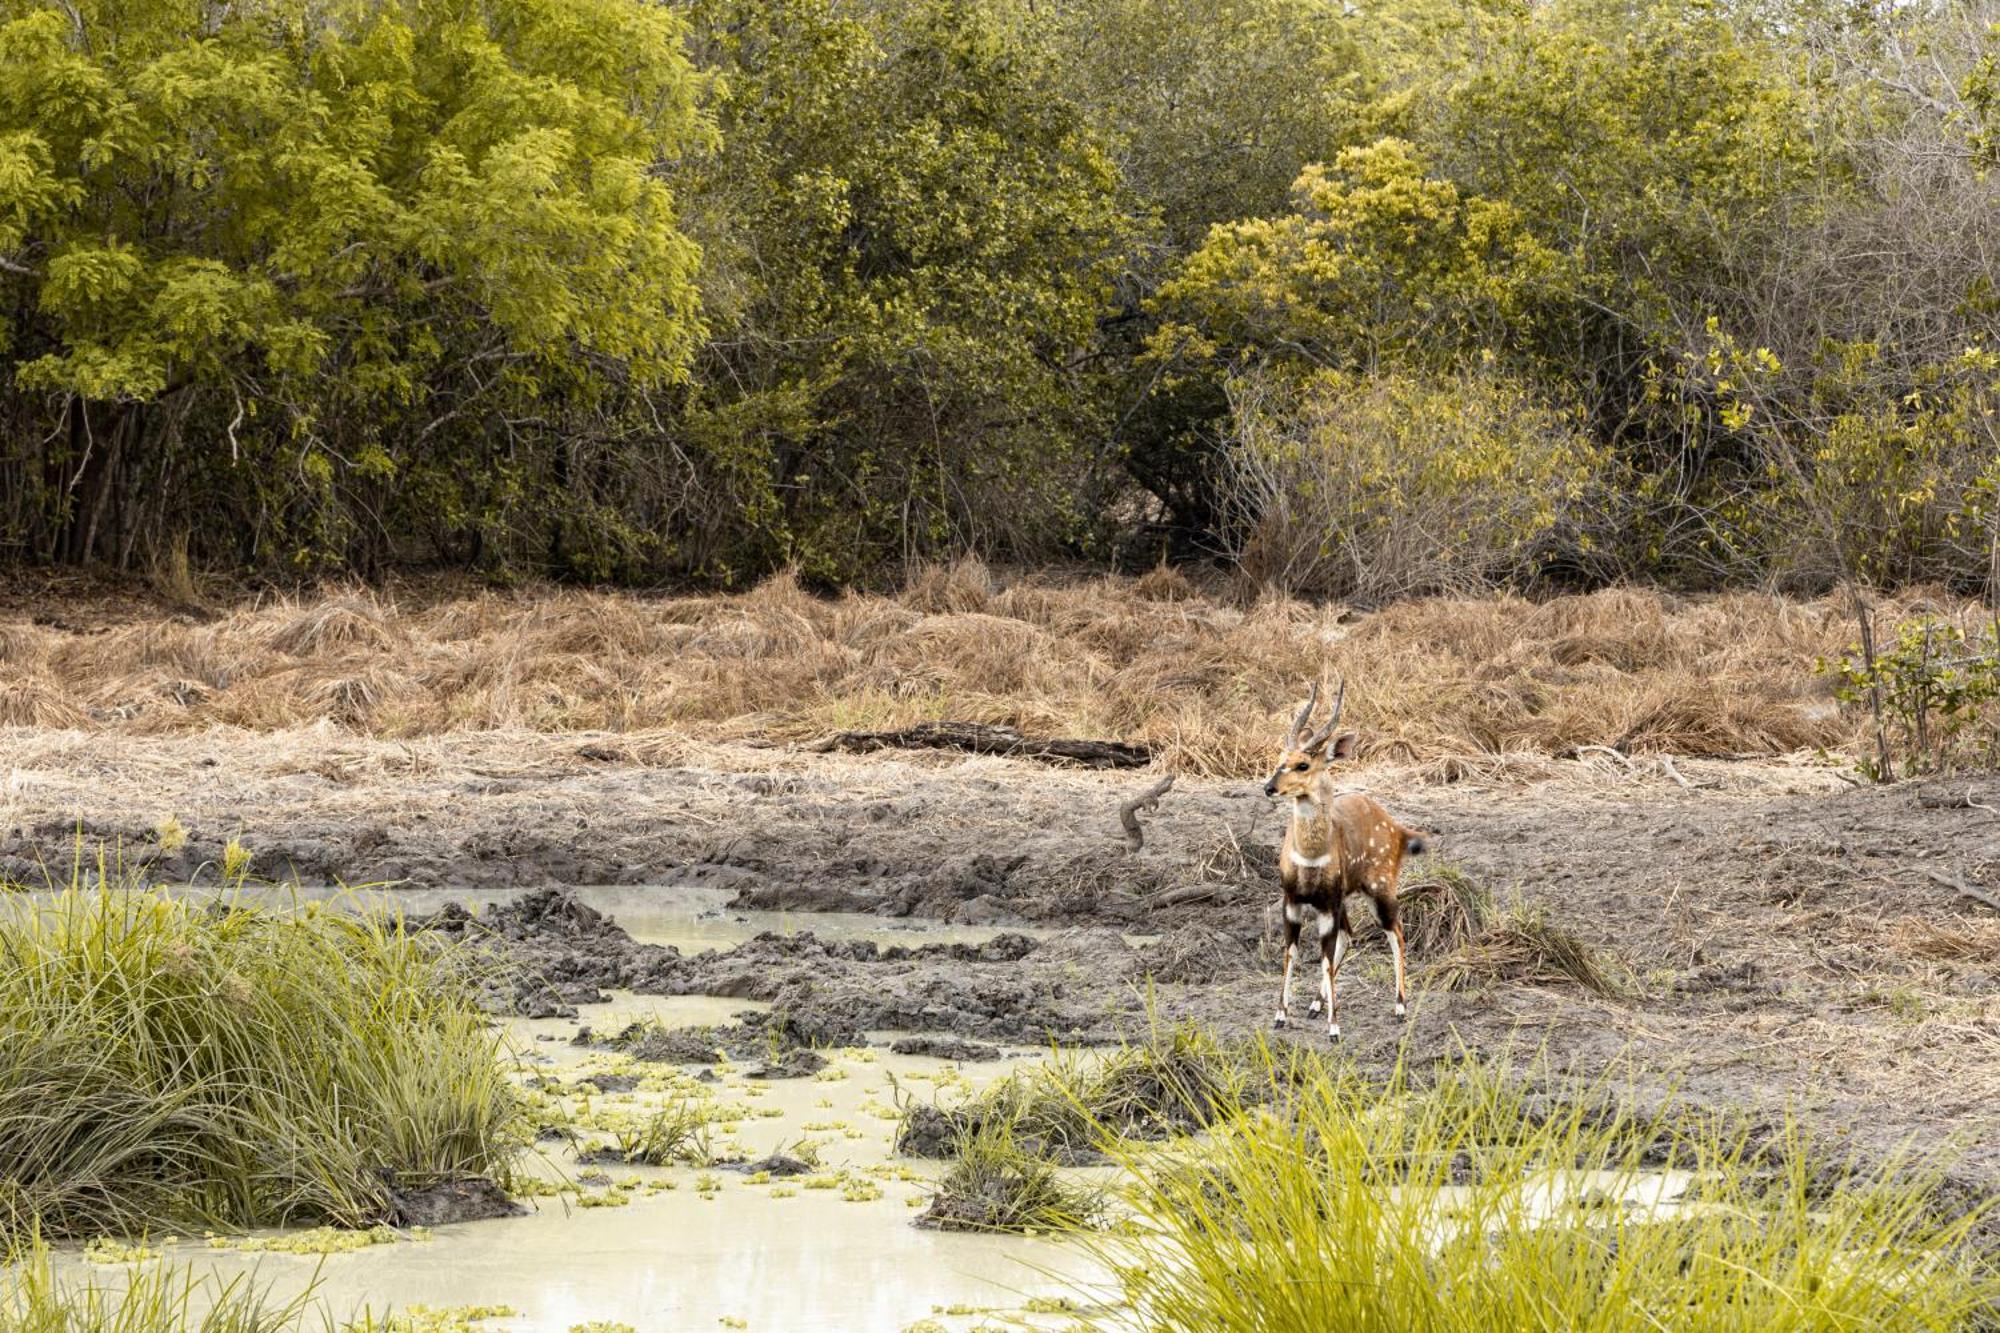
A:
(1314, 1011)
(1402, 1010)
(1280, 1021)
(1333, 1032)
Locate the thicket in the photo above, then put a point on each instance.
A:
(1372, 298)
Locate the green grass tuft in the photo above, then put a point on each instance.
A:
(153, 1299)
(167, 1063)
(1465, 1205)
(995, 1184)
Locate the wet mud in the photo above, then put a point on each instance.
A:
(1783, 940)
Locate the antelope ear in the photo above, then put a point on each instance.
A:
(1343, 745)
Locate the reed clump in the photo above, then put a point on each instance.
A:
(1206, 678)
(168, 1063)
(1467, 1202)
(1169, 1081)
(154, 1298)
(996, 1183)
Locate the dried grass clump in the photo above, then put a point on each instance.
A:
(352, 620)
(21, 645)
(1443, 909)
(1491, 688)
(1198, 954)
(1960, 941)
(1525, 948)
(963, 585)
(33, 700)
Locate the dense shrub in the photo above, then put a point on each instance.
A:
(1370, 488)
(301, 283)
(610, 290)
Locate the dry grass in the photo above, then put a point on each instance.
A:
(1525, 948)
(1460, 687)
(1951, 940)
(1443, 909)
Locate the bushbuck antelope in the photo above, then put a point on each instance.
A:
(1335, 845)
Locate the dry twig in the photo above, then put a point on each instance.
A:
(1128, 813)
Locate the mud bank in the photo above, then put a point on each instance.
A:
(1780, 939)
(556, 952)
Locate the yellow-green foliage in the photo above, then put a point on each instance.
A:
(1378, 259)
(104, 1250)
(436, 1319)
(265, 242)
(1346, 1204)
(726, 287)
(1939, 687)
(1381, 486)
(317, 1240)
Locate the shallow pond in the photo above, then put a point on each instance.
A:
(688, 918)
(686, 1248)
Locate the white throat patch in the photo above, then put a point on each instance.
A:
(1311, 862)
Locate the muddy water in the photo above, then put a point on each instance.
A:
(698, 1249)
(690, 919)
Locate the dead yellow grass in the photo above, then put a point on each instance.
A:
(1460, 686)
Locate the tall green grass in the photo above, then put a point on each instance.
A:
(1466, 1205)
(155, 1299)
(168, 1063)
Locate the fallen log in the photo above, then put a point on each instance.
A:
(985, 738)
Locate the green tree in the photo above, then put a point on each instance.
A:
(315, 280)
(1380, 263)
(1211, 109)
(909, 243)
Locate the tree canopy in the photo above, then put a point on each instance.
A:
(611, 289)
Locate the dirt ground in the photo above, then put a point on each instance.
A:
(1780, 936)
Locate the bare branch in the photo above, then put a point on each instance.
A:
(1128, 813)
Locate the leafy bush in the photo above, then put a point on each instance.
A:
(1384, 486)
(168, 1063)
(908, 244)
(1939, 687)
(283, 286)
(1380, 260)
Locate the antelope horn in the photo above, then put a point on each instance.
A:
(1320, 738)
(1304, 717)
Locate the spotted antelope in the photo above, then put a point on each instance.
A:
(1336, 845)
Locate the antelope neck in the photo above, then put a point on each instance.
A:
(1311, 838)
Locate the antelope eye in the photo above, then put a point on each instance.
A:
(1303, 765)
